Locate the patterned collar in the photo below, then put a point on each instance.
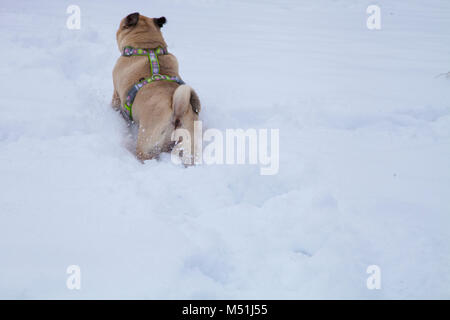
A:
(130, 51)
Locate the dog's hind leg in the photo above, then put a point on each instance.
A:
(115, 101)
(151, 140)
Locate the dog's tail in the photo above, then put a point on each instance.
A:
(184, 98)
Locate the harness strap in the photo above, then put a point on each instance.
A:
(130, 51)
(154, 68)
(131, 95)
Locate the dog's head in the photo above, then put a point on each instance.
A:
(140, 32)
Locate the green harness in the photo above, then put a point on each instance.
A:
(152, 55)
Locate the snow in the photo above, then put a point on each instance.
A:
(364, 175)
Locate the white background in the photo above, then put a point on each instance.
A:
(364, 154)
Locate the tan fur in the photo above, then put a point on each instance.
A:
(153, 106)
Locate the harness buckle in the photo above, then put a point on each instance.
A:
(127, 51)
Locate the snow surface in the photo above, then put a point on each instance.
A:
(364, 154)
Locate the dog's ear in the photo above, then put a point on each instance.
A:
(131, 20)
(160, 21)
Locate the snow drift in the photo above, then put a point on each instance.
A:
(364, 173)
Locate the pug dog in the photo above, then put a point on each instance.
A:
(159, 107)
